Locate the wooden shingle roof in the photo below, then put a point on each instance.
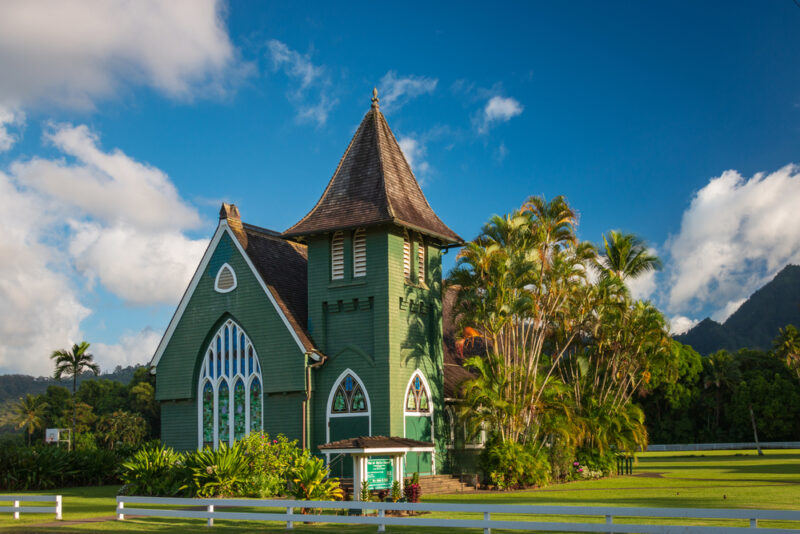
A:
(373, 184)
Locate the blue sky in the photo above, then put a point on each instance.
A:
(123, 127)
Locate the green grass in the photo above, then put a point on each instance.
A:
(718, 479)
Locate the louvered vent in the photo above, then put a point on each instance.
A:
(337, 256)
(226, 280)
(406, 257)
(421, 261)
(359, 253)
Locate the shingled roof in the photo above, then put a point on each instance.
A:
(373, 184)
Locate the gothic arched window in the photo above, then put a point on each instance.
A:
(230, 395)
(417, 398)
(349, 397)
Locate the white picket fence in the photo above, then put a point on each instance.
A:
(16, 509)
(581, 523)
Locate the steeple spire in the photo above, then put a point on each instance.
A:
(375, 99)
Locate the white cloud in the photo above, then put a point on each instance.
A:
(644, 286)
(39, 307)
(735, 236)
(72, 51)
(132, 349)
(9, 117)
(312, 96)
(722, 315)
(141, 267)
(680, 324)
(415, 151)
(497, 109)
(101, 216)
(396, 91)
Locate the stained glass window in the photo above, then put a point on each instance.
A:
(239, 400)
(255, 406)
(224, 368)
(349, 396)
(417, 396)
(224, 412)
(208, 415)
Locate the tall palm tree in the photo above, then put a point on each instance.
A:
(625, 256)
(29, 413)
(787, 346)
(74, 363)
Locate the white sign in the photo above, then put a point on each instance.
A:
(51, 435)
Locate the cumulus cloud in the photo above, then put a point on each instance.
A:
(39, 307)
(311, 95)
(132, 349)
(70, 52)
(415, 151)
(83, 217)
(735, 236)
(9, 117)
(680, 325)
(396, 91)
(644, 286)
(498, 109)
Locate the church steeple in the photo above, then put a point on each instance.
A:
(372, 185)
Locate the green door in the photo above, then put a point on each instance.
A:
(343, 428)
(419, 427)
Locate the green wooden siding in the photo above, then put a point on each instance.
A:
(282, 361)
(179, 424)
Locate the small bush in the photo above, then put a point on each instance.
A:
(45, 467)
(309, 480)
(155, 470)
(593, 461)
(219, 473)
(270, 461)
(512, 465)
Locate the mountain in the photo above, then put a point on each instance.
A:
(13, 387)
(755, 324)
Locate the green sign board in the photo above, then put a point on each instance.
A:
(379, 473)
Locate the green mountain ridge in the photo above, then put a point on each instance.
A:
(755, 324)
(13, 387)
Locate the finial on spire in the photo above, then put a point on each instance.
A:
(375, 99)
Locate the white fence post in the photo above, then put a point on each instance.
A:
(486, 517)
(120, 508)
(381, 527)
(610, 521)
(58, 507)
(16, 509)
(210, 519)
(289, 523)
(753, 523)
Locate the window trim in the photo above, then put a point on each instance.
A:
(219, 273)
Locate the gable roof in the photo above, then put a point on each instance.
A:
(373, 184)
(282, 265)
(265, 251)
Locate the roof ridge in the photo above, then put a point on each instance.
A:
(389, 206)
(261, 230)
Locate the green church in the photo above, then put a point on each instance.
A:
(335, 328)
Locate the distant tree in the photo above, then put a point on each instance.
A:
(721, 373)
(74, 363)
(787, 346)
(29, 413)
(121, 427)
(625, 256)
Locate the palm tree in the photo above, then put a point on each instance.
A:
(74, 363)
(722, 372)
(625, 256)
(29, 413)
(787, 346)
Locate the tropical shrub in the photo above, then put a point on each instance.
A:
(594, 464)
(122, 427)
(309, 480)
(218, 473)
(396, 493)
(513, 465)
(155, 470)
(45, 467)
(269, 461)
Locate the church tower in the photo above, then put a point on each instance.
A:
(375, 297)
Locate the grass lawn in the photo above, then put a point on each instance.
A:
(718, 479)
